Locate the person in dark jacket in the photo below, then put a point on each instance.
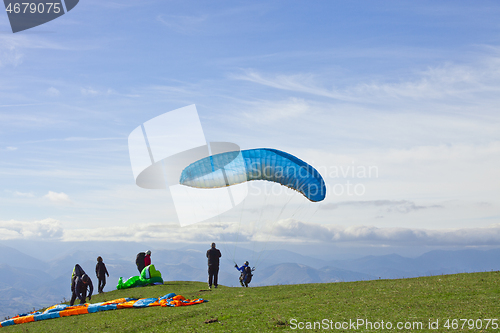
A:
(246, 274)
(142, 260)
(80, 289)
(101, 272)
(213, 256)
(77, 272)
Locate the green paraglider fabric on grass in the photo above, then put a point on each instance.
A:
(149, 275)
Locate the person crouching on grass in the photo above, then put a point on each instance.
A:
(80, 289)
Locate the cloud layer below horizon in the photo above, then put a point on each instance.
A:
(289, 230)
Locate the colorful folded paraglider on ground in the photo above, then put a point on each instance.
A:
(62, 310)
(149, 275)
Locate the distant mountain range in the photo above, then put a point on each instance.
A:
(27, 282)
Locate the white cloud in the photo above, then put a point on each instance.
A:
(89, 139)
(267, 111)
(19, 105)
(477, 83)
(57, 197)
(306, 83)
(159, 232)
(29, 42)
(291, 230)
(43, 229)
(12, 46)
(182, 23)
(451, 171)
(10, 56)
(53, 92)
(23, 194)
(10, 148)
(89, 91)
(443, 153)
(401, 206)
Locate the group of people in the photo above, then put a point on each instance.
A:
(213, 255)
(81, 282)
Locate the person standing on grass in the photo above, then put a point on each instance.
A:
(101, 272)
(213, 256)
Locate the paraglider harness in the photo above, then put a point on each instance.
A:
(139, 260)
(246, 274)
(77, 272)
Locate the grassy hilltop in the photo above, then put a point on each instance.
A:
(267, 309)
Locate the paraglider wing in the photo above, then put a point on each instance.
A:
(64, 310)
(148, 275)
(273, 165)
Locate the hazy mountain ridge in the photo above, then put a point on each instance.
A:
(293, 273)
(431, 263)
(22, 289)
(27, 282)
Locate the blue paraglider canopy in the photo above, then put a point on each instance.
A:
(273, 165)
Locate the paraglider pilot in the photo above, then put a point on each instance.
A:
(246, 274)
(80, 281)
(142, 260)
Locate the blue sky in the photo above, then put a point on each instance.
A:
(410, 88)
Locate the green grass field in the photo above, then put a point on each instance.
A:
(282, 308)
